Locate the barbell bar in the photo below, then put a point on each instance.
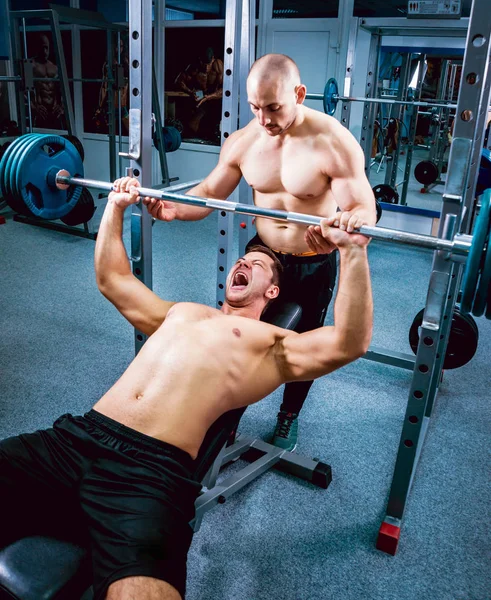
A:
(331, 97)
(36, 169)
(459, 246)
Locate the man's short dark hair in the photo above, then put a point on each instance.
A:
(277, 267)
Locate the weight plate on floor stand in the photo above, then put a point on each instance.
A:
(462, 342)
(426, 172)
(385, 193)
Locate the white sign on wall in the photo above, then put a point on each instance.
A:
(431, 9)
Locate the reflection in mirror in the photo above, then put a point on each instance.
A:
(411, 144)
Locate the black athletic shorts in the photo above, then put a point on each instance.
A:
(307, 280)
(126, 496)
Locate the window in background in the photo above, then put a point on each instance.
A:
(93, 45)
(194, 82)
(172, 14)
(305, 9)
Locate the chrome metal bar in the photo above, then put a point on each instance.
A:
(376, 233)
(338, 98)
(29, 107)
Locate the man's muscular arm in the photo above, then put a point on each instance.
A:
(115, 280)
(301, 357)
(350, 185)
(219, 184)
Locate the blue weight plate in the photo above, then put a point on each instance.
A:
(5, 164)
(35, 163)
(12, 163)
(330, 90)
(473, 264)
(481, 299)
(17, 202)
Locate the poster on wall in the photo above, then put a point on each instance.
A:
(194, 82)
(46, 100)
(95, 94)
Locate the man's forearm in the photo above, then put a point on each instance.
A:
(110, 254)
(353, 309)
(185, 212)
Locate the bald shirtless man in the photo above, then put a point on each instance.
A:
(120, 478)
(295, 159)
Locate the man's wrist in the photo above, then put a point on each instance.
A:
(352, 251)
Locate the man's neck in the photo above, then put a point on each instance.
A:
(250, 312)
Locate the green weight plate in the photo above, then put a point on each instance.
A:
(12, 164)
(36, 160)
(481, 299)
(3, 164)
(331, 94)
(13, 198)
(473, 265)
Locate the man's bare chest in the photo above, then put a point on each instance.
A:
(297, 170)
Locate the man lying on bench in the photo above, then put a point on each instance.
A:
(119, 480)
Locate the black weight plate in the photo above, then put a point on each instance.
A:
(462, 342)
(78, 145)
(82, 212)
(426, 172)
(379, 210)
(3, 148)
(385, 193)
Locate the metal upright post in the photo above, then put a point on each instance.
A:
(140, 138)
(445, 276)
(412, 132)
(397, 112)
(230, 115)
(247, 55)
(16, 71)
(66, 95)
(370, 108)
(349, 81)
(111, 118)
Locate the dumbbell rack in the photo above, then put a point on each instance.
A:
(457, 207)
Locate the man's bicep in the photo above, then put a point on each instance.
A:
(349, 183)
(306, 356)
(352, 192)
(137, 303)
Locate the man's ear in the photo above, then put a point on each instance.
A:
(300, 91)
(272, 292)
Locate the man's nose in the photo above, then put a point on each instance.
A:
(263, 119)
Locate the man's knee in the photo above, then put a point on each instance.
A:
(143, 588)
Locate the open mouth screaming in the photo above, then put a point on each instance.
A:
(240, 281)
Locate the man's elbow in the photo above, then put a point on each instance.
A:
(354, 348)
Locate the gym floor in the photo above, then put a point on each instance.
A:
(64, 345)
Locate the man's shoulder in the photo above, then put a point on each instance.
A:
(330, 133)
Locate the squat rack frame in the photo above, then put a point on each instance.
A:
(445, 275)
